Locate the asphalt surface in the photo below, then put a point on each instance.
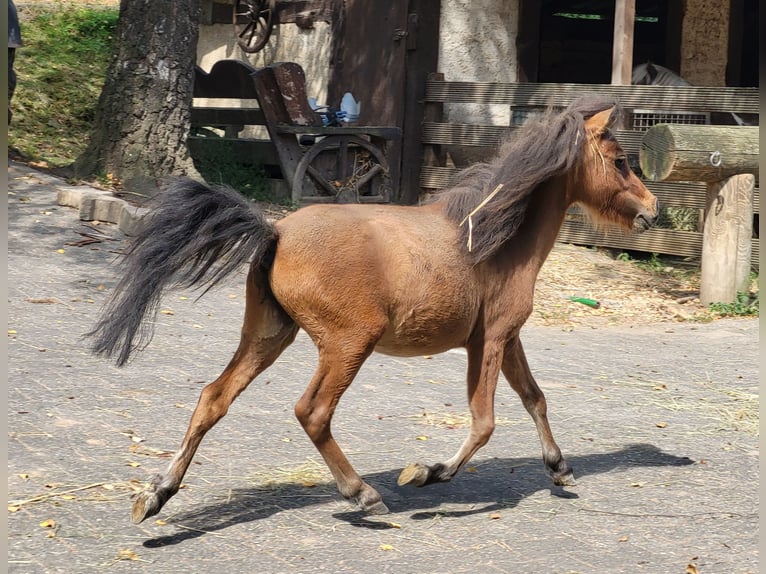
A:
(659, 422)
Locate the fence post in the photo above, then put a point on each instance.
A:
(726, 239)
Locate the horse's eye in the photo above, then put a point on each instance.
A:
(621, 163)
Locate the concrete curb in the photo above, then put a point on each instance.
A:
(95, 204)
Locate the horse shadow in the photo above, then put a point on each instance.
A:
(496, 485)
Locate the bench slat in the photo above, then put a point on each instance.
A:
(385, 132)
(227, 116)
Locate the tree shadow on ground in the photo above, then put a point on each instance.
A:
(496, 486)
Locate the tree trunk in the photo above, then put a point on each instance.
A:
(143, 117)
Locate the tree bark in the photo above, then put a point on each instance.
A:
(143, 116)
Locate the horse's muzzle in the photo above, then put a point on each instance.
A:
(645, 220)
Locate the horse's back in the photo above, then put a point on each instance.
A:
(395, 269)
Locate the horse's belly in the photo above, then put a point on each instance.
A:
(425, 332)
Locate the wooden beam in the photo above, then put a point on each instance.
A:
(622, 43)
(726, 240)
(671, 152)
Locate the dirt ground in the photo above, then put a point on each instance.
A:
(627, 293)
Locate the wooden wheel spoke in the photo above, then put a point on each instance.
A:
(321, 180)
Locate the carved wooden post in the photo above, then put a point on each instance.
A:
(726, 158)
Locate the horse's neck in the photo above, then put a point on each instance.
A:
(542, 221)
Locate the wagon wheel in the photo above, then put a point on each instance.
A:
(253, 21)
(342, 168)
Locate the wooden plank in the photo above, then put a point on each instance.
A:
(677, 98)
(656, 240)
(227, 116)
(464, 134)
(442, 133)
(385, 132)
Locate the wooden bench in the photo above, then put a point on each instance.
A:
(321, 163)
(439, 134)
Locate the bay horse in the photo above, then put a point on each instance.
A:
(457, 271)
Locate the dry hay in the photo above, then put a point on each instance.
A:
(628, 293)
(452, 420)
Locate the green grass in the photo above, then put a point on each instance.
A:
(746, 305)
(60, 71)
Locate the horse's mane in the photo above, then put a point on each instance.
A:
(544, 147)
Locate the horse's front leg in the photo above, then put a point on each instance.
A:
(483, 371)
(516, 370)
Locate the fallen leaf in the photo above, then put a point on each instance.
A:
(12, 508)
(167, 312)
(127, 555)
(661, 425)
(622, 539)
(48, 523)
(494, 516)
(11, 331)
(386, 547)
(24, 476)
(67, 497)
(60, 251)
(471, 469)
(691, 569)
(160, 522)
(134, 464)
(394, 525)
(421, 437)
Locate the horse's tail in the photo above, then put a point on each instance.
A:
(193, 236)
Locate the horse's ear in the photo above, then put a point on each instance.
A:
(600, 122)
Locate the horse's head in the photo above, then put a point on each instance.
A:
(606, 186)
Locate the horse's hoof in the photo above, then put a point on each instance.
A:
(147, 504)
(415, 474)
(377, 508)
(566, 479)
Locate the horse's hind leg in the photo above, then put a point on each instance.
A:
(516, 370)
(339, 362)
(266, 332)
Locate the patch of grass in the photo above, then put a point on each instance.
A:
(60, 70)
(746, 305)
(219, 165)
